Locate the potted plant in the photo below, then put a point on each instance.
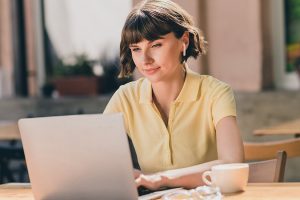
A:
(76, 78)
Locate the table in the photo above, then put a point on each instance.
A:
(266, 191)
(286, 128)
(9, 131)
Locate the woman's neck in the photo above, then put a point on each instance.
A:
(164, 92)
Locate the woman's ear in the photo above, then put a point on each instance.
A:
(186, 39)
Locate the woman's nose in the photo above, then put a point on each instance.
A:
(147, 58)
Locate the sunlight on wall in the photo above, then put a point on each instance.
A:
(85, 26)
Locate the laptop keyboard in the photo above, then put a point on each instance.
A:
(143, 191)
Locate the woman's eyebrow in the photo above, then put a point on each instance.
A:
(133, 45)
(149, 42)
(136, 45)
(160, 38)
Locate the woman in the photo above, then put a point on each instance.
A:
(181, 123)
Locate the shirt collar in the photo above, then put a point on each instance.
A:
(189, 92)
(145, 92)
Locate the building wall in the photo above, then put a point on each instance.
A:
(235, 43)
(267, 64)
(31, 48)
(6, 50)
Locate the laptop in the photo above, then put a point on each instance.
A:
(79, 157)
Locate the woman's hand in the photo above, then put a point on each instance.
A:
(152, 182)
(136, 173)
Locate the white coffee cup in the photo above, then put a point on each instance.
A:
(228, 177)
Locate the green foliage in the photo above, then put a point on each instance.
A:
(293, 9)
(292, 14)
(82, 66)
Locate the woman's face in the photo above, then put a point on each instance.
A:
(158, 60)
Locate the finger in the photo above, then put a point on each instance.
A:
(137, 184)
(136, 173)
(138, 181)
(142, 181)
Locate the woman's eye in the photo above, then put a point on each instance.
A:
(156, 45)
(135, 49)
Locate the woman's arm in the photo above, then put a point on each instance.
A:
(230, 150)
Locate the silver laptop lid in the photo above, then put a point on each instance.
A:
(78, 157)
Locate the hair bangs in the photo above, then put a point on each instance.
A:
(144, 26)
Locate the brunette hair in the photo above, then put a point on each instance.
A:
(152, 19)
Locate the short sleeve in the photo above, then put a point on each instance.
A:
(114, 105)
(117, 105)
(223, 103)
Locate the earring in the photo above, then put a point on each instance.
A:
(184, 50)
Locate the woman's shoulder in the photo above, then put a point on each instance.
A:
(132, 88)
(209, 86)
(212, 82)
(207, 81)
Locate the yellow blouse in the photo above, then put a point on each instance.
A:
(190, 137)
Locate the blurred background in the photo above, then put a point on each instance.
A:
(61, 57)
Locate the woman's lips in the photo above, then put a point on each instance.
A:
(151, 71)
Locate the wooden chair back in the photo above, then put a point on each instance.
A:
(268, 170)
(268, 150)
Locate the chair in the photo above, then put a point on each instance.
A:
(267, 166)
(268, 171)
(268, 150)
(8, 154)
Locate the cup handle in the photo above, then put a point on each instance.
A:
(205, 180)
